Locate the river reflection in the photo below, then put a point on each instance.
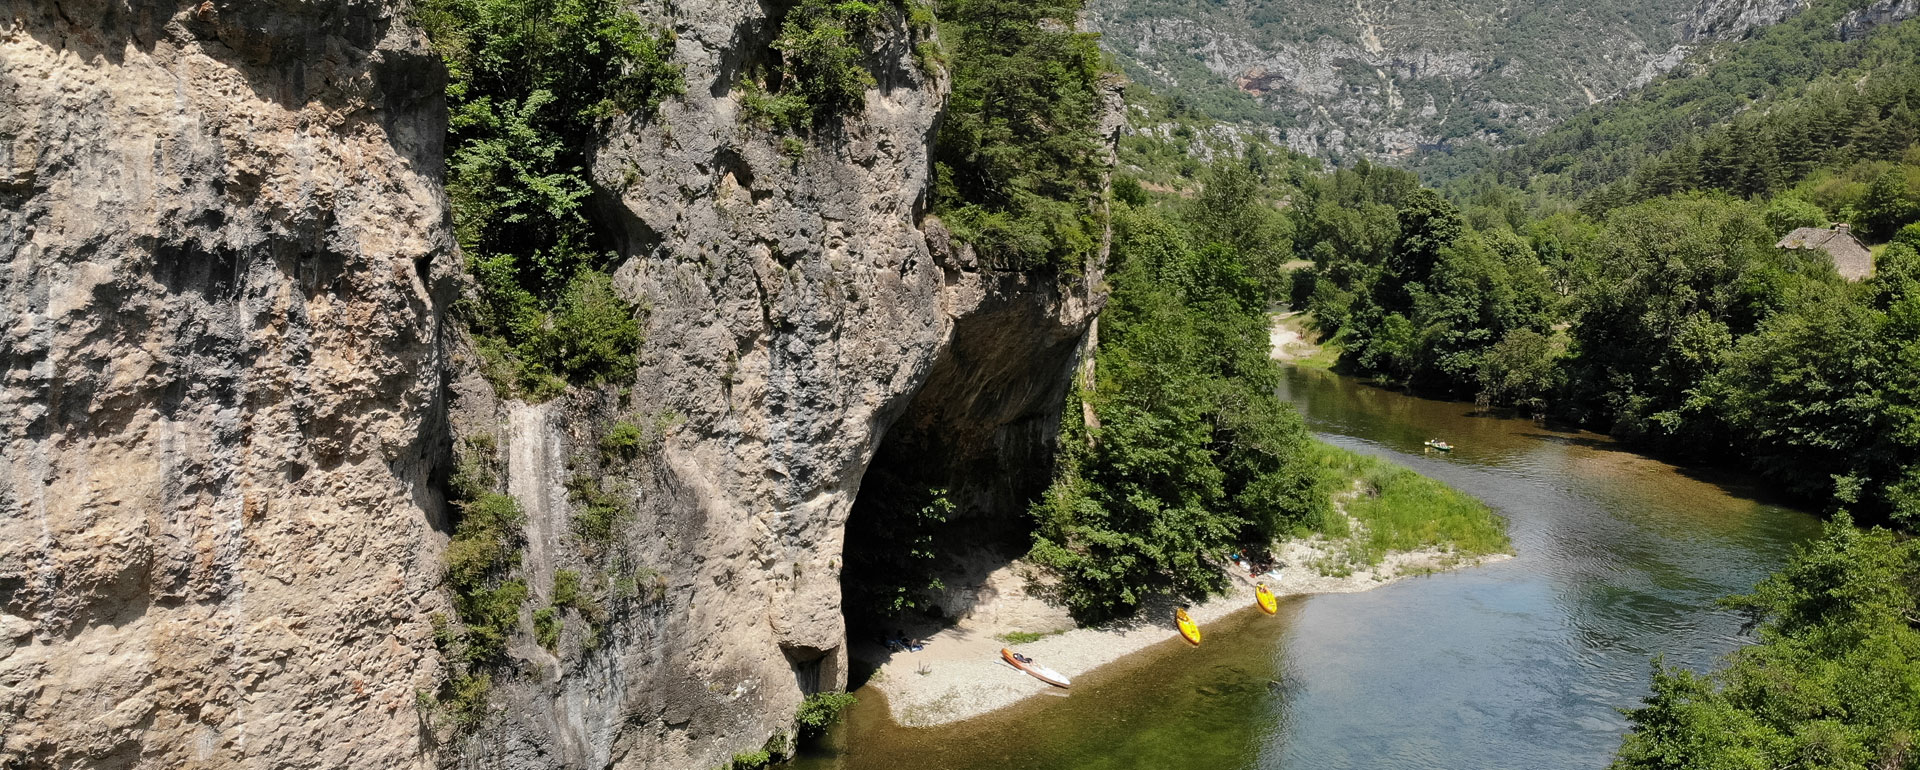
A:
(1521, 664)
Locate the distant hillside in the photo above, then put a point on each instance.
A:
(1386, 79)
(1836, 84)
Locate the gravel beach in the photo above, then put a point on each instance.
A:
(959, 673)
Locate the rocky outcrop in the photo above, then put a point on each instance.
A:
(1860, 21)
(224, 263)
(230, 403)
(795, 313)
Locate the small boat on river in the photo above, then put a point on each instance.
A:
(1439, 445)
(1189, 630)
(1264, 595)
(1035, 670)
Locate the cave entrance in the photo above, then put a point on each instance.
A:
(944, 502)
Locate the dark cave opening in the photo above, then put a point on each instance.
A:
(944, 501)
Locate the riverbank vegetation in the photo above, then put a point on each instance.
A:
(1620, 274)
(1396, 510)
(1834, 682)
(1190, 453)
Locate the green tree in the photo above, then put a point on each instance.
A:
(1019, 160)
(1232, 210)
(1521, 370)
(529, 85)
(1831, 684)
(1669, 295)
(1192, 450)
(1787, 214)
(1888, 206)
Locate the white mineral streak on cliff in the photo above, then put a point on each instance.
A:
(536, 476)
(223, 260)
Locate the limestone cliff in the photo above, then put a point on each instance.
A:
(224, 262)
(233, 396)
(795, 309)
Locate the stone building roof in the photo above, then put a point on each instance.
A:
(1850, 256)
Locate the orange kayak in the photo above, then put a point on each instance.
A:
(1268, 604)
(1188, 629)
(1035, 670)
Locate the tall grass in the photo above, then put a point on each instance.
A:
(1400, 510)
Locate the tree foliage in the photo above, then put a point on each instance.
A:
(1019, 159)
(1192, 450)
(1834, 683)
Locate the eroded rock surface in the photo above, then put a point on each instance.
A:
(232, 389)
(794, 310)
(223, 262)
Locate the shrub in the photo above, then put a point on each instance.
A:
(822, 73)
(546, 627)
(595, 335)
(529, 83)
(597, 513)
(566, 588)
(820, 710)
(622, 442)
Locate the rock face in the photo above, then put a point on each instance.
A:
(1858, 22)
(224, 262)
(1384, 79)
(233, 397)
(795, 312)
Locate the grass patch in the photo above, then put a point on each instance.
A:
(1399, 510)
(1025, 637)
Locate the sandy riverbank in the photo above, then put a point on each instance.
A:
(959, 674)
(1294, 341)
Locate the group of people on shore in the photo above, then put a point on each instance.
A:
(901, 642)
(1256, 565)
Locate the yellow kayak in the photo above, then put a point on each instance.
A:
(1188, 628)
(1268, 604)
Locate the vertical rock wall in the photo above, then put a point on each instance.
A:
(795, 309)
(223, 263)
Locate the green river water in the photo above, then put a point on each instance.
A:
(1521, 664)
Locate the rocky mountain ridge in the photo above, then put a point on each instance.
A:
(1384, 80)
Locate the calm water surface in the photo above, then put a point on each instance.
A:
(1516, 665)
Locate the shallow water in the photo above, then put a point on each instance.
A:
(1521, 664)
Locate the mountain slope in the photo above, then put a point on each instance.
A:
(1385, 79)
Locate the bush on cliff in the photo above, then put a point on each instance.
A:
(529, 84)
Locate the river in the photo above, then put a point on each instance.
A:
(1521, 664)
